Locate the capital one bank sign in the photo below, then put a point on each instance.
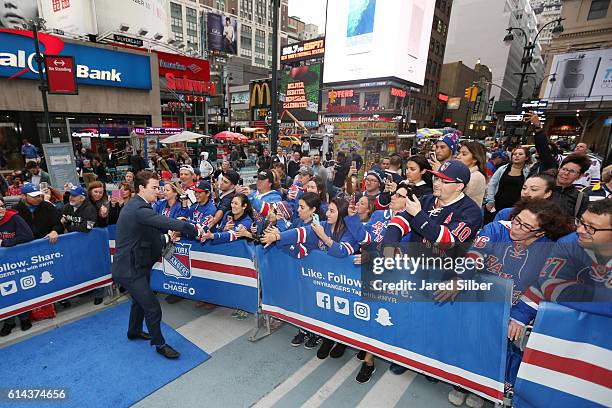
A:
(95, 66)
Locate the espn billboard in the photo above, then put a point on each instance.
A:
(303, 50)
(372, 39)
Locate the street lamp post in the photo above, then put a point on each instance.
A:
(538, 86)
(38, 24)
(528, 53)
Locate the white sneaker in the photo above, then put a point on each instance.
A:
(457, 398)
(474, 401)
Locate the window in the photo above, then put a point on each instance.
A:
(246, 41)
(260, 41)
(354, 100)
(192, 22)
(246, 9)
(259, 59)
(260, 11)
(176, 19)
(599, 9)
(371, 99)
(221, 5)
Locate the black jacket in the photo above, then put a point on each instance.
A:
(43, 220)
(14, 230)
(264, 163)
(139, 241)
(138, 163)
(82, 219)
(566, 198)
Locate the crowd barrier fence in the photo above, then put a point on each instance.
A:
(563, 363)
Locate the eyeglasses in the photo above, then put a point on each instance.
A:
(524, 227)
(371, 180)
(591, 230)
(441, 180)
(569, 171)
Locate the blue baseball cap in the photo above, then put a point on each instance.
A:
(453, 170)
(31, 190)
(202, 186)
(78, 191)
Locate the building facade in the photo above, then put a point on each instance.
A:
(580, 100)
(423, 105)
(472, 118)
(467, 41)
(188, 26)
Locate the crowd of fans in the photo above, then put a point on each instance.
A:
(452, 195)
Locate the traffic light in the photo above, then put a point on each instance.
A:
(471, 93)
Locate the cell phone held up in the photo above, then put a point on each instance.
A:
(315, 219)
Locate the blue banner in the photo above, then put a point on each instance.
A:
(95, 65)
(323, 294)
(222, 274)
(568, 364)
(38, 273)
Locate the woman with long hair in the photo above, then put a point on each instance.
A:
(534, 224)
(474, 156)
(235, 222)
(96, 193)
(418, 176)
(170, 205)
(317, 185)
(331, 236)
(539, 186)
(126, 191)
(505, 186)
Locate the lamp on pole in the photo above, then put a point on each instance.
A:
(538, 86)
(36, 25)
(528, 53)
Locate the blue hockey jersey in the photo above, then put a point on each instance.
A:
(162, 208)
(202, 214)
(304, 240)
(373, 231)
(572, 275)
(508, 260)
(442, 226)
(229, 236)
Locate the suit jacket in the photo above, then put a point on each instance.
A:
(139, 239)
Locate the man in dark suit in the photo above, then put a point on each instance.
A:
(139, 244)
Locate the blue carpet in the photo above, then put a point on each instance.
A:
(93, 359)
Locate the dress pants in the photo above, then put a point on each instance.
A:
(145, 306)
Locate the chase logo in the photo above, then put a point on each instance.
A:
(179, 264)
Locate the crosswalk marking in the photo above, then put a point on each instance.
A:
(333, 383)
(296, 378)
(388, 390)
(216, 329)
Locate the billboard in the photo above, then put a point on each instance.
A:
(192, 68)
(15, 14)
(300, 91)
(368, 39)
(303, 50)
(222, 33)
(94, 65)
(74, 17)
(584, 74)
(260, 100)
(150, 15)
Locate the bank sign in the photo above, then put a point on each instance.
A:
(94, 66)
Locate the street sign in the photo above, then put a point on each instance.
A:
(136, 42)
(224, 112)
(513, 118)
(61, 75)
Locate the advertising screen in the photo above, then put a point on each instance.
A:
(222, 33)
(15, 14)
(585, 74)
(299, 92)
(148, 14)
(368, 39)
(74, 17)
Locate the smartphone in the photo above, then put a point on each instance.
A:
(43, 185)
(389, 178)
(354, 164)
(315, 219)
(116, 194)
(240, 182)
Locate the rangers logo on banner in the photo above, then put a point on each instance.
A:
(179, 264)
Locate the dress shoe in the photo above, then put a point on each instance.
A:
(168, 352)
(26, 325)
(140, 336)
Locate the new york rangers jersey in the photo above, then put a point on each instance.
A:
(508, 260)
(372, 231)
(230, 235)
(303, 240)
(202, 214)
(572, 275)
(444, 226)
